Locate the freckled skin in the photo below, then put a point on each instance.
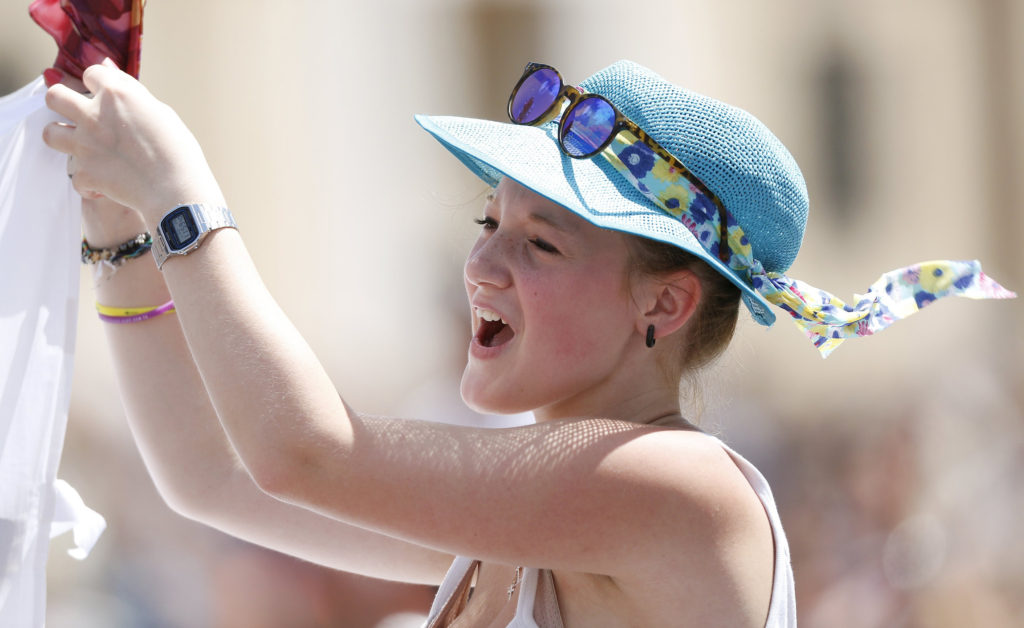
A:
(571, 310)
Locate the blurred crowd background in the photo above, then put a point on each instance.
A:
(897, 464)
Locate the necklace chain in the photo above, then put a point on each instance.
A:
(515, 583)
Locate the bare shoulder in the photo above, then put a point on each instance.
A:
(706, 551)
(712, 494)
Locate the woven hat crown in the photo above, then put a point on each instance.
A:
(729, 150)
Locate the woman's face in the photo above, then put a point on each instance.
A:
(551, 308)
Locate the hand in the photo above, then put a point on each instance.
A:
(127, 145)
(104, 222)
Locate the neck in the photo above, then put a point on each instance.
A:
(649, 406)
(636, 391)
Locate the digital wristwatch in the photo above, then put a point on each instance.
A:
(184, 228)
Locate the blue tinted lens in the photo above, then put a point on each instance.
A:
(587, 126)
(535, 96)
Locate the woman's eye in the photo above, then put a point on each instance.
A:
(544, 246)
(489, 224)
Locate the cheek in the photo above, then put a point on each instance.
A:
(586, 318)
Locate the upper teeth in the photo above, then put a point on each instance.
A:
(489, 315)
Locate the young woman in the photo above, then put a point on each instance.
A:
(623, 231)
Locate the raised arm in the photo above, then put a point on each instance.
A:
(514, 496)
(184, 446)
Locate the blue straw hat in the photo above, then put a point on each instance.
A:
(728, 149)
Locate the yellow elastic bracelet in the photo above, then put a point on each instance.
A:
(123, 312)
(132, 314)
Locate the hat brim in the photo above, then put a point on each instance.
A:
(590, 188)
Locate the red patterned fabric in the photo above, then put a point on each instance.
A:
(87, 31)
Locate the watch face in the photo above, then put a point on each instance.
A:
(179, 228)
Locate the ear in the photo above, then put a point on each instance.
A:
(667, 302)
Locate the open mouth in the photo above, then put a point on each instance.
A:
(493, 331)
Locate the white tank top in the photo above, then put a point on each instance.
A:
(781, 610)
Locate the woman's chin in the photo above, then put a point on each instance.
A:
(480, 402)
(486, 400)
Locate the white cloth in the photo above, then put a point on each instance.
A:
(39, 233)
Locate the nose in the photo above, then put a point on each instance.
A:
(488, 262)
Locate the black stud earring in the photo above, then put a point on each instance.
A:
(650, 336)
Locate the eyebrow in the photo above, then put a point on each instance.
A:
(548, 220)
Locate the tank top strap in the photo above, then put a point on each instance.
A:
(527, 597)
(536, 607)
(546, 610)
(782, 608)
(453, 594)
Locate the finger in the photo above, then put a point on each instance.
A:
(84, 185)
(72, 169)
(59, 136)
(91, 195)
(95, 76)
(79, 185)
(65, 101)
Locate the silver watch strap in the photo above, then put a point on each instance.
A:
(214, 217)
(207, 218)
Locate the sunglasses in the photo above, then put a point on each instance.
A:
(588, 126)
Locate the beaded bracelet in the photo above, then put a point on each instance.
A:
(117, 255)
(132, 314)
